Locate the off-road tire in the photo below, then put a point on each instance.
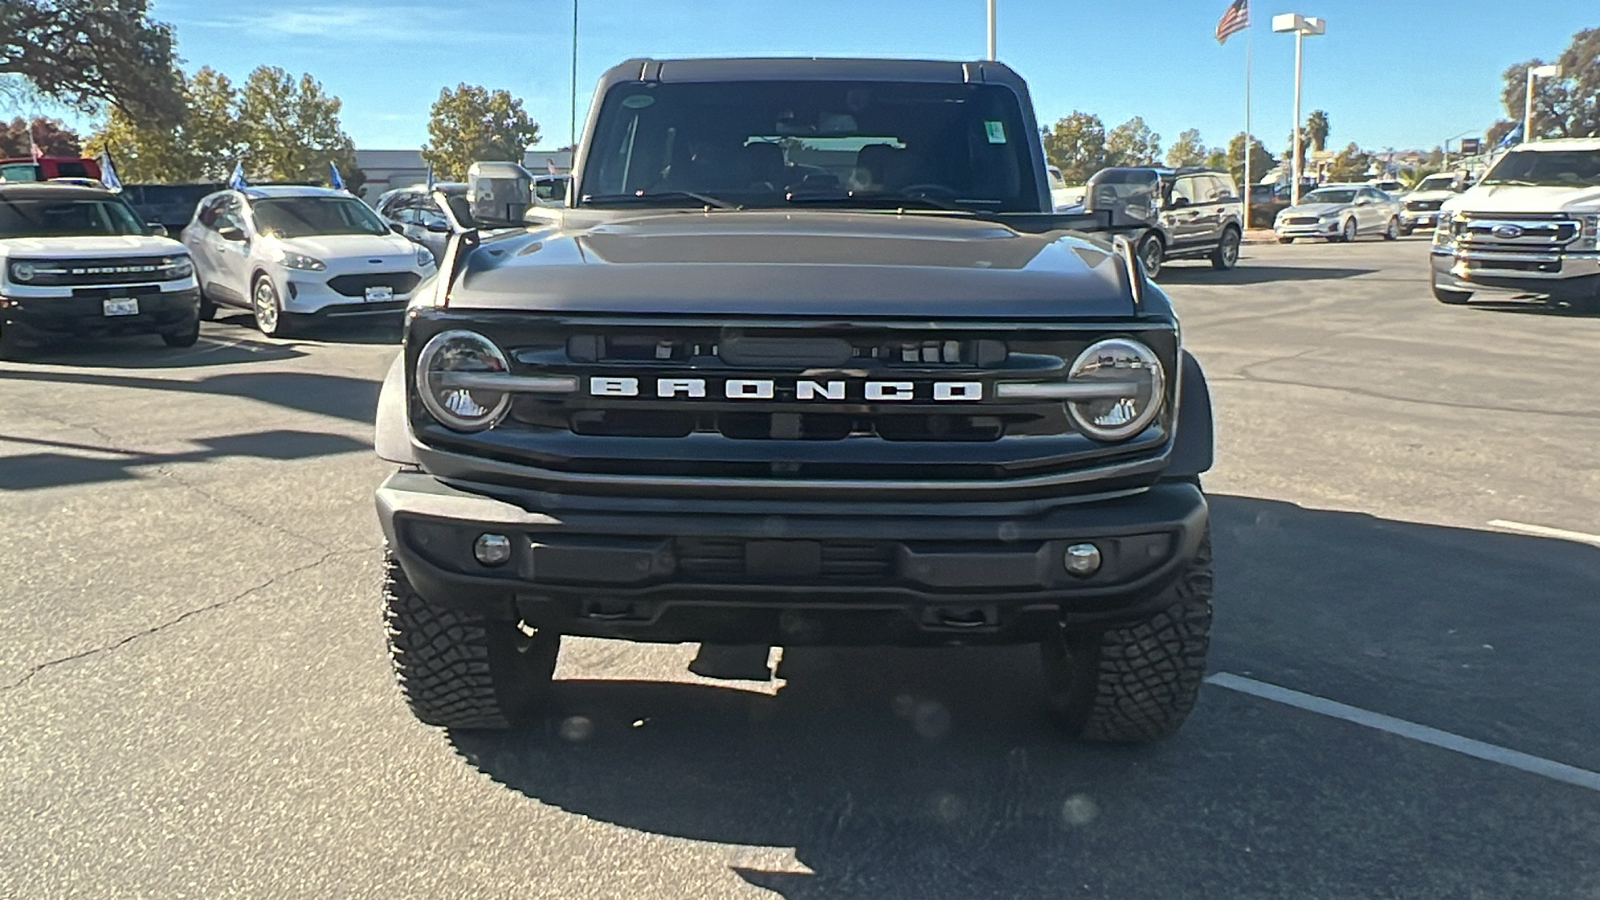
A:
(1226, 256)
(1136, 682)
(457, 669)
(1152, 251)
(183, 337)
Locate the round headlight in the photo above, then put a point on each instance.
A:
(1118, 361)
(22, 271)
(457, 404)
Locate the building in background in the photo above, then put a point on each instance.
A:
(387, 170)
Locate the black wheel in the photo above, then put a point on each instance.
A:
(1392, 231)
(1226, 256)
(461, 670)
(1285, 240)
(183, 337)
(208, 308)
(1151, 252)
(10, 344)
(1137, 682)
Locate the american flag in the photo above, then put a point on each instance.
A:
(1235, 20)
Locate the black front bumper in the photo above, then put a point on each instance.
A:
(55, 318)
(763, 574)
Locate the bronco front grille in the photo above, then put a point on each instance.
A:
(123, 270)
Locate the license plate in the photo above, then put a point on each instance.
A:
(126, 306)
(379, 293)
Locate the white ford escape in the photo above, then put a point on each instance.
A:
(293, 255)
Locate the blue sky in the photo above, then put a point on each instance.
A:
(1402, 73)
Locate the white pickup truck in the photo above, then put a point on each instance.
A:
(1531, 227)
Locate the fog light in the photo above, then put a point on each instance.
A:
(495, 549)
(1082, 560)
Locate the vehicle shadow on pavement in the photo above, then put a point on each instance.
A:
(339, 396)
(1535, 308)
(936, 773)
(54, 468)
(352, 332)
(1249, 274)
(149, 353)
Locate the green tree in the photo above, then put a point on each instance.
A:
(1133, 144)
(92, 53)
(1077, 146)
(1497, 132)
(1317, 130)
(291, 129)
(1568, 106)
(473, 123)
(51, 136)
(203, 147)
(1350, 164)
(1261, 162)
(1187, 150)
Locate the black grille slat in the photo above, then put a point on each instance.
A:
(356, 285)
(842, 562)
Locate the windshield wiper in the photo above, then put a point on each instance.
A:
(656, 197)
(873, 200)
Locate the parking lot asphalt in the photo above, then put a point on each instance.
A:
(195, 698)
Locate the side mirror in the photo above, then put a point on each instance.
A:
(155, 229)
(438, 227)
(1178, 203)
(232, 233)
(397, 228)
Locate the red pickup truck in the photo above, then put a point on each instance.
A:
(44, 168)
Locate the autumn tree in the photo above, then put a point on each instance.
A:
(1497, 132)
(472, 123)
(1566, 106)
(1187, 150)
(90, 54)
(1261, 162)
(1077, 146)
(1133, 144)
(204, 146)
(51, 137)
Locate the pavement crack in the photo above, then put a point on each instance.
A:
(183, 617)
(242, 513)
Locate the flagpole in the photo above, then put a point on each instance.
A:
(1247, 182)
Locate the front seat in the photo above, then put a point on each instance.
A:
(875, 164)
(768, 170)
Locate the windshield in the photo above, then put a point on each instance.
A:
(768, 144)
(1330, 196)
(1436, 183)
(1547, 167)
(66, 218)
(292, 217)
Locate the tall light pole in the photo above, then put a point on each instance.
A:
(1301, 26)
(1527, 104)
(572, 127)
(992, 34)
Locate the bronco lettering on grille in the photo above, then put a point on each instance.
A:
(801, 389)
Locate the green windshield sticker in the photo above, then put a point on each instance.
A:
(997, 131)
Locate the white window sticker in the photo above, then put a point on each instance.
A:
(997, 131)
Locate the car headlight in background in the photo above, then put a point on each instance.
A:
(1118, 360)
(424, 257)
(452, 400)
(292, 260)
(1589, 237)
(23, 272)
(177, 267)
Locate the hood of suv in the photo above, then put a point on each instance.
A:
(78, 247)
(330, 248)
(803, 262)
(1521, 198)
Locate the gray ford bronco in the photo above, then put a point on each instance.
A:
(805, 358)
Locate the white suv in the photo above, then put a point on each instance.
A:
(1531, 226)
(292, 255)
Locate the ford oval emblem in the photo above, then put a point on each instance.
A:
(1506, 232)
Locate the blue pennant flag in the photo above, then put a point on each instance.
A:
(1512, 137)
(108, 172)
(334, 181)
(236, 180)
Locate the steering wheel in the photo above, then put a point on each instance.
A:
(928, 190)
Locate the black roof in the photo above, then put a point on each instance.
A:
(47, 190)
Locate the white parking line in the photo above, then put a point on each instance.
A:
(1478, 749)
(1542, 531)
